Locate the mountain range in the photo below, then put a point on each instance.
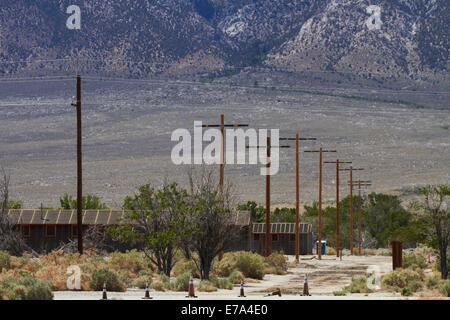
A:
(387, 38)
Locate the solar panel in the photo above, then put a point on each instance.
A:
(49, 216)
(103, 217)
(89, 217)
(64, 217)
(27, 217)
(116, 215)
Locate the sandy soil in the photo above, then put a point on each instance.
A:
(324, 277)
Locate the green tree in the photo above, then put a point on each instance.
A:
(386, 219)
(258, 213)
(433, 214)
(158, 220)
(283, 215)
(87, 202)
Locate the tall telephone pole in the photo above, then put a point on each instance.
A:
(351, 169)
(297, 191)
(360, 183)
(222, 126)
(79, 168)
(319, 245)
(337, 201)
(268, 234)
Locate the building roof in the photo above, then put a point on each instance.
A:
(89, 217)
(281, 227)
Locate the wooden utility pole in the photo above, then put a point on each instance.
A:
(267, 233)
(222, 126)
(360, 183)
(79, 169)
(297, 191)
(351, 169)
(337, 201)
(268, 240)
(319, 245)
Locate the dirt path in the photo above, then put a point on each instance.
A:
(325, 276)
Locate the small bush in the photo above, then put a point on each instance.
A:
(251, 265)
(182, 282)
(278, 261)
(226, 266)
(236, 277)
(415, 285)
(444, 288)
(358, 285)
(414, 261)
(111, 278)
(406, 292)
(340, 293)
(437, 264)
(158, 285)
(330, 251)
(140, 282)
(185, 266)
(26, 288)
(400, 278)
(5, 260)
(432, 281)
(221, 283)
(206, 286)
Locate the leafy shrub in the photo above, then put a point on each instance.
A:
(278, 261)
(26, 288)
(400, 278)
(158, 285)
(415, 285)
(251, 265)
(236, 277)
(432, 281)
(340, 293)
(105, 275)
(140, 282)
(444, 288)
(185, 266)
(206, 286)
(358, 285)
(406, 292)
(182, 282)
(133, 261)
(330, 251)
(5, 260)
(221, 283)
(55, 275)
(414, 261)
(226, 266)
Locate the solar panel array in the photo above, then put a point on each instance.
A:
(65, 217)
(287, 228)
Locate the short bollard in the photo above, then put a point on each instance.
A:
(104, 296)
(305, 286)
(147, 292)
(191, 288)
(242, 295)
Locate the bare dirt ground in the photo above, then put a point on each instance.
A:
(128, 126)
(324, 277)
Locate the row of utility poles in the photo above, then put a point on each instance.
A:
(320, 151)
(268, 146)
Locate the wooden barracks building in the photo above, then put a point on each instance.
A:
(49, 229)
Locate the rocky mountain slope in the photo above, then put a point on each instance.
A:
(389, 38)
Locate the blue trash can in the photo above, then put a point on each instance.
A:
(323, 247)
